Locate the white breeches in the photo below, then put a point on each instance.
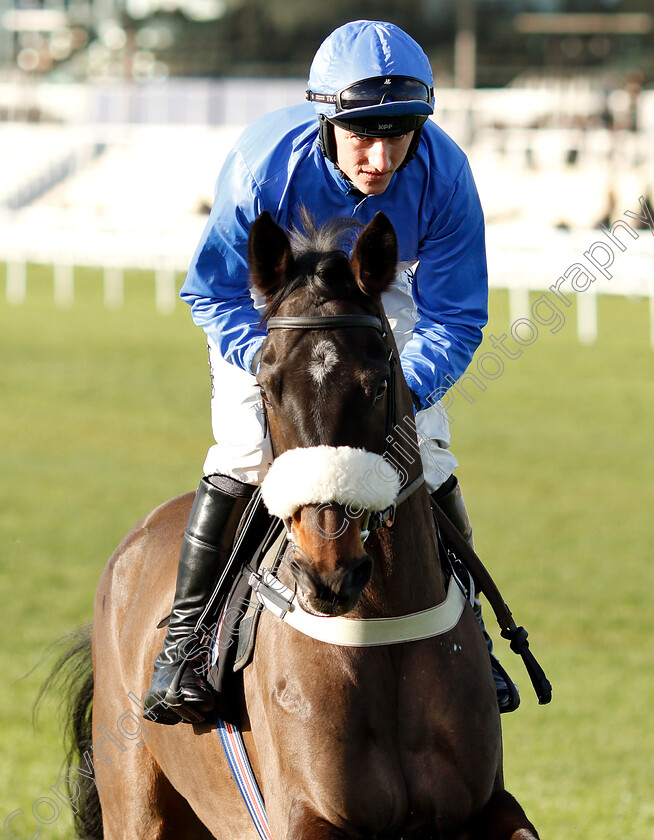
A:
(243, 449)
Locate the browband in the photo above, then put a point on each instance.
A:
(324, 322)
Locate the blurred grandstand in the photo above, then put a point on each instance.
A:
(115, 124)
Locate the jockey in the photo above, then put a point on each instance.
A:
(362, 144)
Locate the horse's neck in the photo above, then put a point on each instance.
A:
(408, 574)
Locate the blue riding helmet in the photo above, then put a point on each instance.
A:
(373, 79)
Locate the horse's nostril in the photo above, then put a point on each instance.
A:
(360, 575)
(305, 578)
(312, 588)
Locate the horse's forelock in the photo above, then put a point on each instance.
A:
(321, 259)
(334, 235)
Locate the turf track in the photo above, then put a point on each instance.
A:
(105, 414)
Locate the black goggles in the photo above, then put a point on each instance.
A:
(378, 90)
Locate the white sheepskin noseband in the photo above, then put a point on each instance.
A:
(320, 474)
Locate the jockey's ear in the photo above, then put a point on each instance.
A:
(269, 255)
(375, 256)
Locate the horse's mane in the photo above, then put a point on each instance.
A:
(321, 254)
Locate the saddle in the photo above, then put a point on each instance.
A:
(237, 618)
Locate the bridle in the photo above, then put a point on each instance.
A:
(340, 630)
(373, 519)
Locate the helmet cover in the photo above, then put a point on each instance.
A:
(365, 49)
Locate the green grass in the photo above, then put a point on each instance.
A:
(105, 414)
(557, 470)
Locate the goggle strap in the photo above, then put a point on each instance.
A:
(321, 97)
(333, 98)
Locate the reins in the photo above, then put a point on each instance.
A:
(517, 636)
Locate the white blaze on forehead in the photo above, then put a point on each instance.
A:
(324, 359)
(320, 474)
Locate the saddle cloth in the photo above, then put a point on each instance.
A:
(232, 644)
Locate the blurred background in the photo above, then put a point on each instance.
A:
(115, 116)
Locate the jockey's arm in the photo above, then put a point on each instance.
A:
(217, 282)
(450, 288)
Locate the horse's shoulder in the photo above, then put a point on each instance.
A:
(164, 523)
(151, 548)
(166, 515)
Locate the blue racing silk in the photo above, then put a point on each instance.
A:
(277, 165)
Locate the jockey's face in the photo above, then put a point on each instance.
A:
(369, 162)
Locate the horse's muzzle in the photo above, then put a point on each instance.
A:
(332, 593)
(327, 558)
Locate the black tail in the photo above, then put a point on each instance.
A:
(72, 675)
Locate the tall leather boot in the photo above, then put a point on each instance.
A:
(450, 500)
(216, 512)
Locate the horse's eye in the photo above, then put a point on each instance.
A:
(381, 391)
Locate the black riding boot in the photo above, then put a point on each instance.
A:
(217, 509)
(450, 500)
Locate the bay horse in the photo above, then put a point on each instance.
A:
(386, 742)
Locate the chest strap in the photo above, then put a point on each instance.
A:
(358, 632)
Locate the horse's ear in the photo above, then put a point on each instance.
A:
(375, 256)
(269, 255)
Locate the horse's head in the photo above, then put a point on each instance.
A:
(327, 384)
